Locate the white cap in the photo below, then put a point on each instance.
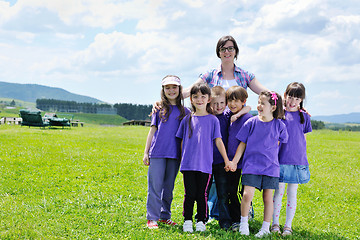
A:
(171, 80)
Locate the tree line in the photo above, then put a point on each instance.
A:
(126, 110)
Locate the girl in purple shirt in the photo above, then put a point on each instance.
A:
(259, 138)
(162, 152)
(294, 167)
(198, 132)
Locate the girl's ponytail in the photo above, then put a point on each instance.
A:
(301, 114)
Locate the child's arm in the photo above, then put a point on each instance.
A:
(244, 110)
(186, 91)
(221, 147)
(239, 152)
(150, 136)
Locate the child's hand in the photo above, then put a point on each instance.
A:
(234, 118)
(227, 166)
(146, 159)
(156, 107)
(233, 166)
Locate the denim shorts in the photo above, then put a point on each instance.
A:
(298, 174)
(260, 181)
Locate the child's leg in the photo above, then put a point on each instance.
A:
(156, 174)
(245, 206)
(220, 176)
(233, 179)
(279, 193)
(190, 186)
(268, 205)
(246, 200)
(202, 181)
(291, 203)
(171, 171)
(268, 211)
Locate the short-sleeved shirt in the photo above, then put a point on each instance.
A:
(224, 125)
(233, 142)
(294, 151)
(164, 144)
(261, 153)
(197, 151)
(214, 77)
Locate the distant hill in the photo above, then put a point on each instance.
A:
(340, 118)
(31, 92)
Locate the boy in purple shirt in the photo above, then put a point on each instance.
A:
(218, 105)
(236, 97)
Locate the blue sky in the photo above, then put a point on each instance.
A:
(118, 51)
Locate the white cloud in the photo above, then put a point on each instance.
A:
(137, 42)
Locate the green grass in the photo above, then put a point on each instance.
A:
(90, 183)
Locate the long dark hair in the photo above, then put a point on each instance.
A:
(275, 100)
(297, 90)
(204, 89)
(165, 103)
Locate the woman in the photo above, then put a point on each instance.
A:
(228, 74)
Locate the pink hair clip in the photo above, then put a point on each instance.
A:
(274, 97)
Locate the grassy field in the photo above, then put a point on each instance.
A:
(90, 183)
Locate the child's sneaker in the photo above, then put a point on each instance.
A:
(262, 233)
(235, 226)
(244, 229)
(188, 226)
(168, 222)
(151, 224)
(200, 226)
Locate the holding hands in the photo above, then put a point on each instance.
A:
(230, 166)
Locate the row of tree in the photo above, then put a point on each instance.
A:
(133, 111)
(126, 110)
(130, 111)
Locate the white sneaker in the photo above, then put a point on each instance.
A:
(262, 233)
(244, 229)
(200, 226)
(188, 226)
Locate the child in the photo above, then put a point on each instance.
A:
(162, 152)
(260, 136)
(236, 97)
(218, 105)
(294, 167)
(198, 131)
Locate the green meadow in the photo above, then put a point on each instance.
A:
(90, 183)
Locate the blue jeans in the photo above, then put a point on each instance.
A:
(161, 178)
(213, 202)
(220, 176)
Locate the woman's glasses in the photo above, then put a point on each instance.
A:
(230, 49)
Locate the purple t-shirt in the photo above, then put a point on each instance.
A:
(164, 143)
(294, 151)
(197, 151)
(233, 142)
(261, 153)
(224, 125)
